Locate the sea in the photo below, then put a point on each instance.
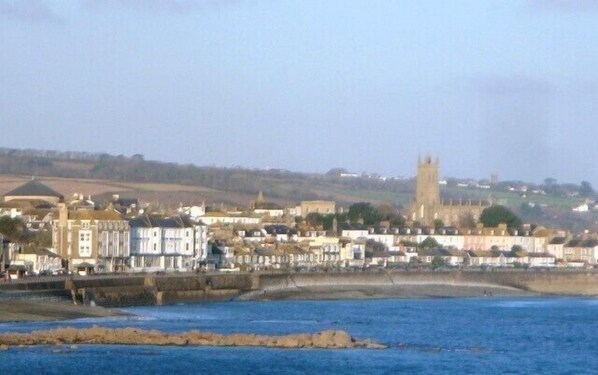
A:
(486, 335)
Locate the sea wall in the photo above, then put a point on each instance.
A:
(549, 282)
(43, 290)
(163, 289)
(129, 290)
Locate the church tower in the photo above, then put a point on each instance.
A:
(426, 206)
(427, 191)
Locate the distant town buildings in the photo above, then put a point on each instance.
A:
(34, 192)
(173, 243)
(126, 235)
(318, 207)
(90, 240)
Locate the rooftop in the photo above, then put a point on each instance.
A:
(34, 188)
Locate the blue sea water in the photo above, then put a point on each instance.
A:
(447, 336)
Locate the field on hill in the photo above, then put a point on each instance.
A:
(168, 185)
(99, 189)
(173, 194)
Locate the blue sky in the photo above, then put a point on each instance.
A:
(506, 87)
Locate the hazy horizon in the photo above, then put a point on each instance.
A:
(507, 88)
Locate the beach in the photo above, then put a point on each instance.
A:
(29, 311)
(384, 291)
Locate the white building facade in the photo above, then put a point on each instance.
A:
(175, 243)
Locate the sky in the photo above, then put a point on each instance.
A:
(506, 87)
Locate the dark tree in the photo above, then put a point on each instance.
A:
(13, 229)
(495, 250)
(493, 216)
(314, 220)
(336, 171)
(585, 189)
(429, 243)
(372, 246)
(327, 221)
(43, 238)
(438, 223)
(550, 185)
(518, 251)
(438, 262)
(390, 214)
(467, 221)
(364, 211)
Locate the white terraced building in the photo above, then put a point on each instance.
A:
(175, 243)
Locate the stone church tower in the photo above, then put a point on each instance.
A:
(427, 205)
(427, 191)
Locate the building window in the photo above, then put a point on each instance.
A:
(85, 243)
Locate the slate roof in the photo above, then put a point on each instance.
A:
(558, 241)
(266, 252)
(34, 188)
(482, 253)
(582, 243)
(127, 202)
(277, 229)
(267, 206)
(95, 215)
(39, 251)
(159, 222)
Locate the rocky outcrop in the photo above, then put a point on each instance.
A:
(134, 336)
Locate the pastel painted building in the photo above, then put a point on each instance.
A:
(91, 241)
(581, 250)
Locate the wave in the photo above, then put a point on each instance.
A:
(436, 349)
(526, 303)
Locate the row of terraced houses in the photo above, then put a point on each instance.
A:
(122, 237)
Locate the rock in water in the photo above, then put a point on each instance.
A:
(134, 336)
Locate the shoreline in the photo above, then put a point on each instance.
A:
(20, 311)
(384, 292)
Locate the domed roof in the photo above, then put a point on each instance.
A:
(33, 188)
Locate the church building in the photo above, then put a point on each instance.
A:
(427, 205)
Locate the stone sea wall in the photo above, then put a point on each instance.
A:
(129, 290)
(549, 282)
